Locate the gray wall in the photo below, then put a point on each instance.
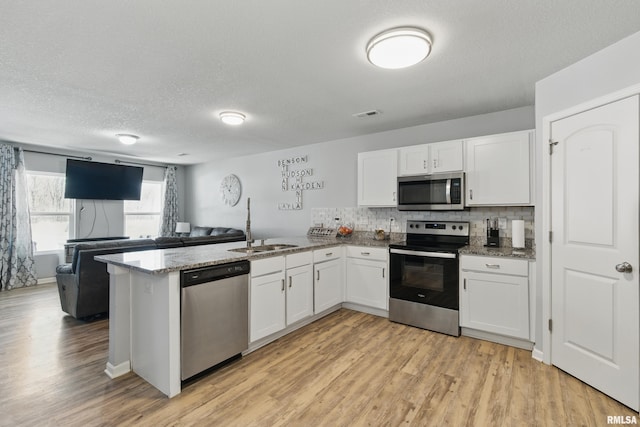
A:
(612, 69)
(334, 162)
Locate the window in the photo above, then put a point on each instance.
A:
(142, 217)
(51, 213)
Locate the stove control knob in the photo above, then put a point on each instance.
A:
(410, 225)
(454, 227)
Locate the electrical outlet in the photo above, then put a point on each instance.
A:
(502, 223)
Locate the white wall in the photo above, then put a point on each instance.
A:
(612, 69)
(334, 162)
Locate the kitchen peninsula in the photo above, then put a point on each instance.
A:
(144, 301)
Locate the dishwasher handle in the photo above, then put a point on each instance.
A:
(213, 273)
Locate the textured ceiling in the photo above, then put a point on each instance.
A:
(74, 73)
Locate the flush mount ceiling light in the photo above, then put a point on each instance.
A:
(232, 118)
(399, 47)
(127, 139)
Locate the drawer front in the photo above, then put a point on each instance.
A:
(326, 254)
(299, 259)
(496, 265)
(364, 252)
(260, 267)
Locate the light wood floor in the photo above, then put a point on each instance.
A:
(349, 368)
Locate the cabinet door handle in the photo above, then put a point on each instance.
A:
(464, 284)
(329, 254)
(290, 281)
(434, 163)
(365, 253)
(424, 164)
(495, 266)
(282, 285)
(318, 275)
(383, 272)
(470, 194)
(394, 196)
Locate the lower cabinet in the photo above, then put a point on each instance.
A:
(281, 293)
(328, 288)
(299, 293)
(367, 277)
(494, 295)
(268, 300)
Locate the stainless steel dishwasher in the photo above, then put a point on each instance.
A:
(214, 316)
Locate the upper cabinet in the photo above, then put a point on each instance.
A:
(498, 170)
(377, 177)
(431, 158)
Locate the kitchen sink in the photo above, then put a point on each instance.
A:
(264, 248)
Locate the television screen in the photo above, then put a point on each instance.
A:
(102, 181)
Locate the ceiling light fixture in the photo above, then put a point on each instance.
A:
(127, 139)
(399, 47)
(232, 118)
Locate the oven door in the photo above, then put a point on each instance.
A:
(424, 277)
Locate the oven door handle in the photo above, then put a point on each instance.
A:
(423, 254)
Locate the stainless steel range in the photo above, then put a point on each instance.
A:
(423, 282)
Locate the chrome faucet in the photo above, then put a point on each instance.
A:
(248, 231)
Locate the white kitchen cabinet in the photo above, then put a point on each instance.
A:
(494, 295)
(367, 277)
(268, 298)
(328, 278)
(445, 156)
(328, 285)
(377, 178)
(413, 160)
(281, 293)
(299, 293)
(498, 169)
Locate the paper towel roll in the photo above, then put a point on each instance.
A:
(517, 233)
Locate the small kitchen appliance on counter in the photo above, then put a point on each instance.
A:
(423, 282)
(493, 233)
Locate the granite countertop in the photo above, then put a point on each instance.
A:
(507, 251)
(160, 261)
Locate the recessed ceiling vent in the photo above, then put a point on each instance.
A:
(370, 113)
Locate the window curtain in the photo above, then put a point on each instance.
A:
(170, 205)
(16, 250)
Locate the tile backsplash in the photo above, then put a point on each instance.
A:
(395, 221)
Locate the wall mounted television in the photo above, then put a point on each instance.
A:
(102, 181)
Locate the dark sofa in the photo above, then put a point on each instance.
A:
(83, 284)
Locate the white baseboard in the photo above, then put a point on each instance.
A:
(365, 309)
(500, 339)
(537, 354)
(44, 280)
(118, 370)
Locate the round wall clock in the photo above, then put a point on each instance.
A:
(230, 189)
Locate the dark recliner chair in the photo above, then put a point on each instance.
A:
(83, 285)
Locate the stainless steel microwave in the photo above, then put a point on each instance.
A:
(438, 192)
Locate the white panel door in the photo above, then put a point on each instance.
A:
(377, 178)
(496, 303)
(328, 285)
(498, 170)
(446, 156)
(267, 305)
(414, 160)
(594, 216)
(367, 283)
(299, 293)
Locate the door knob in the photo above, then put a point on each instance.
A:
(624, 267)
